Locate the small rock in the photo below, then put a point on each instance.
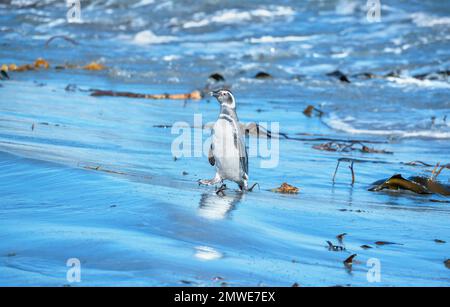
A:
(217, 77)
(186, 282)
(447, 263)
(338, 74)
(263, 75)
(71, 87)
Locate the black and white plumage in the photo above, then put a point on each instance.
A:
(228, 152)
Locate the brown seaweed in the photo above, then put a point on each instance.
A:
(397, 182)
(340, 237)
(349, 260)
(94, 66)
(381, 243)
(347, 147)
(286, 189)
(308, 111)
(432, 185)
(335, 248)
(195, 95)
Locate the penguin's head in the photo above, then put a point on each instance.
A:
(225, 98)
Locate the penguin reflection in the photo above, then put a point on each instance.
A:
(215, 206)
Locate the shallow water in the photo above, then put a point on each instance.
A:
(94, 178)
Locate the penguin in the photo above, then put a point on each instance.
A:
(228, 152)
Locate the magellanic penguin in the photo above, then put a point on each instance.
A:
(228, 152)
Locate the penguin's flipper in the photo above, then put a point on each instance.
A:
(243, 156)
(211, 159)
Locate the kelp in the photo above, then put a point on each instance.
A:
(348, 146)
(94, 66)
(381, 243)
(286, 188)
(335, 248)
(397, 182)
(416, 184)
(340, 237)
(39, 63)
(432, 185)
(309, 110)
(195, 95)
(42, 63)
(349, 260)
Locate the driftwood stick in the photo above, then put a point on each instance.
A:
(432, 177)
(353, 172)
(335, 171)
(439, 171)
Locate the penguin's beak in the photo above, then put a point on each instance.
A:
(214, 94)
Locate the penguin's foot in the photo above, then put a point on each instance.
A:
(205, 182)
(253, 186)
(213, 181)
(220, 190)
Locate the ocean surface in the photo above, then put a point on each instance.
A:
(94, 178)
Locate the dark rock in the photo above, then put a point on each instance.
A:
(447, 263)
(365, 75)
(339, 75)
(4, 75)
(263, 75)
(217, 77)
(71, 87)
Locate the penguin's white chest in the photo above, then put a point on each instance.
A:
(226, 152)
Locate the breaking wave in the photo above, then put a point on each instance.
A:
(233, 16)
(336, 123)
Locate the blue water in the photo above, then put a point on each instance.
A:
(94, 178)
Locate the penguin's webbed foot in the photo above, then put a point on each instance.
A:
(220, 190)
(253, 186)
(204, 182)
(213, 181)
